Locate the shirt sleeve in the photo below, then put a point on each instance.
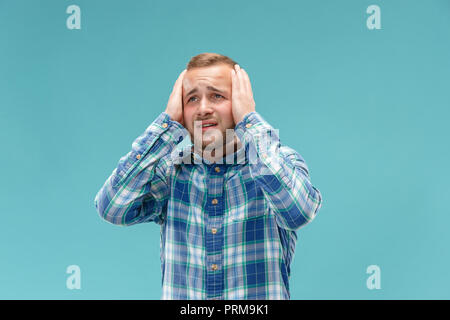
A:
(138, 188)
(280, 171)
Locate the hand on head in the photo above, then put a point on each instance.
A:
(175, 104)
(242, 95)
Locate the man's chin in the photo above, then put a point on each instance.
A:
(211, 144)
(208, 144)
(210, 138)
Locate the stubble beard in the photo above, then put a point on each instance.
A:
(214, 144)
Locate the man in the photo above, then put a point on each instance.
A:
(228, 219)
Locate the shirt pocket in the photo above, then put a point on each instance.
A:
(247, 202)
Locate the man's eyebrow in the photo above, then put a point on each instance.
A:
(208, 87)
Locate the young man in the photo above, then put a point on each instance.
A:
(230, 204)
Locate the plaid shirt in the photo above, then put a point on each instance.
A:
(228, 230)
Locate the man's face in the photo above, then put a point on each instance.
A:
(207, 99)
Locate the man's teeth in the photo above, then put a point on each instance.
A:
(208, 125)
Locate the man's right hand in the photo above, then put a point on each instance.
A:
(175, 104)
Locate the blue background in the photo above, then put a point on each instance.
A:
(367, 109)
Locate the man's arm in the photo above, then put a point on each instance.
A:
(281, 172)
(138, 189)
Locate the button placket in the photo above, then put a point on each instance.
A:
(214, 237)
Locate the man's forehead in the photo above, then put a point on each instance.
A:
(214, 74)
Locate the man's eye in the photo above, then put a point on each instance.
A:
(218, 95)
(191, 98)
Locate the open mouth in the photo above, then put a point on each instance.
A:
(208, 126)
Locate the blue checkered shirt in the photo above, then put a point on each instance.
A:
(228, 229)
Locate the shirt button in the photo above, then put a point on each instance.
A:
(248, 125)
(213, 230)
(215, 201)
(138, 156)
(214, 267)
(164, 125)
(217, 169)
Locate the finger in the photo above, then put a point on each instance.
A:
(180, 77)
(240, 79)
(234, 82)
(248, 84)
(178, 86)
(179, 81)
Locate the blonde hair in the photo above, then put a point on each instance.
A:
(208, 59)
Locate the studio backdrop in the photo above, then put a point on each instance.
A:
(359, 88)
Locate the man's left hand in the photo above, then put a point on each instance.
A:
(242, 101)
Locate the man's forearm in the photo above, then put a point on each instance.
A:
(136, 178)
(281, 172)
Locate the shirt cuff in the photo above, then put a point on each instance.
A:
(251, 124)
(161, 132)
(170, 131)
(262, 143)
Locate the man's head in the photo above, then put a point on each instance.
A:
(207, 97)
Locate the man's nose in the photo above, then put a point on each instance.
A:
(204, 107)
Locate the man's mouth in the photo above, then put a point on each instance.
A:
(208, 125)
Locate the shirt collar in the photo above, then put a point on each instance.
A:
(182, 156)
